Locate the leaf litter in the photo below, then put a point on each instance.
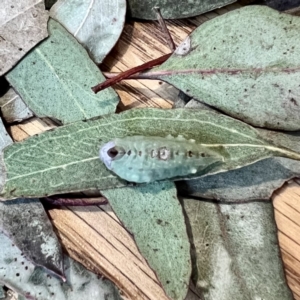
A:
(147, 129)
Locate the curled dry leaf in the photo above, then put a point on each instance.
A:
(96, 24)
(67, 159)
(173, 9)
(234, 251)
(153, 215)
(23, 23)
(13, 108)
(245, 63)
(54, 80)
(27, 225)
(34, 283)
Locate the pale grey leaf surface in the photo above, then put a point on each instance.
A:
(55, 80)
(23, 23)
(253, 182)
(235, 251)
(96, 24)
(5, 140)
(245, 63)
(34, 283)
(26, 223)
(153, 214)
(67, 159)
(13, 108)
(173, 9)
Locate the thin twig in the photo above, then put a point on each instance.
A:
(75, 201)
(154, 75)
(165, 29)
(124, 75)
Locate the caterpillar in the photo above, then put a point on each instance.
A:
(145, 159)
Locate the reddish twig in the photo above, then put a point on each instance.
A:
(205, 72)
(165, 29)
(124, 75)
(76, 201)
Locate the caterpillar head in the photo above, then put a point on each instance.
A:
(110, 152)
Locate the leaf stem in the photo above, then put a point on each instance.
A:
(125, 75)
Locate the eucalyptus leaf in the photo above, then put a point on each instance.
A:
(23, 24)
(54, 80)
(34, 283)
(13, 108)
(26, 223)
(245, 63)
(282, 5)
(2, 292)
(173, 9)
(153, 215)
(96, 24)
(67, 159)
(253, 182)
(235, 251)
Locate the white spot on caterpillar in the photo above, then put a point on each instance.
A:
(184, 47)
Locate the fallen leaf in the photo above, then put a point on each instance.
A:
(247, 69)
(282, 5)
(153, 214)
(254, 182)
(67, 159)
(235, 251)
(13, 108)
(5, 138)
(96, 24)
(23, 23)
(171, 9)
(54, 80)
(34, 283)
(27, 225)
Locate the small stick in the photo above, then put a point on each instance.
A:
(124, 75)
(75, 201)
(165, 29)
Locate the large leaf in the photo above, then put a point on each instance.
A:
(245, 63)
(96, 24)
(23, 23)
(54, 80)
(26, 223)
(153, 215)
(235, 251)
(34, 283)
(173, 9)
(13, 108)
(67, 159)
(253, 182)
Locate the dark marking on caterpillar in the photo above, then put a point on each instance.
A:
(156, 158)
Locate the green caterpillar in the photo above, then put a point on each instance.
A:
(144, 159)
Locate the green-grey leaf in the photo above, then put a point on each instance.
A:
(55, 80)
(26, 223)
(253, 182)
(23, 24)
(96, 24)
(2, 293)
(173, 9)
(67, 159)
(13, 107)
(154, 216)
(245, 63)
(236, 251)
(22, 276)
